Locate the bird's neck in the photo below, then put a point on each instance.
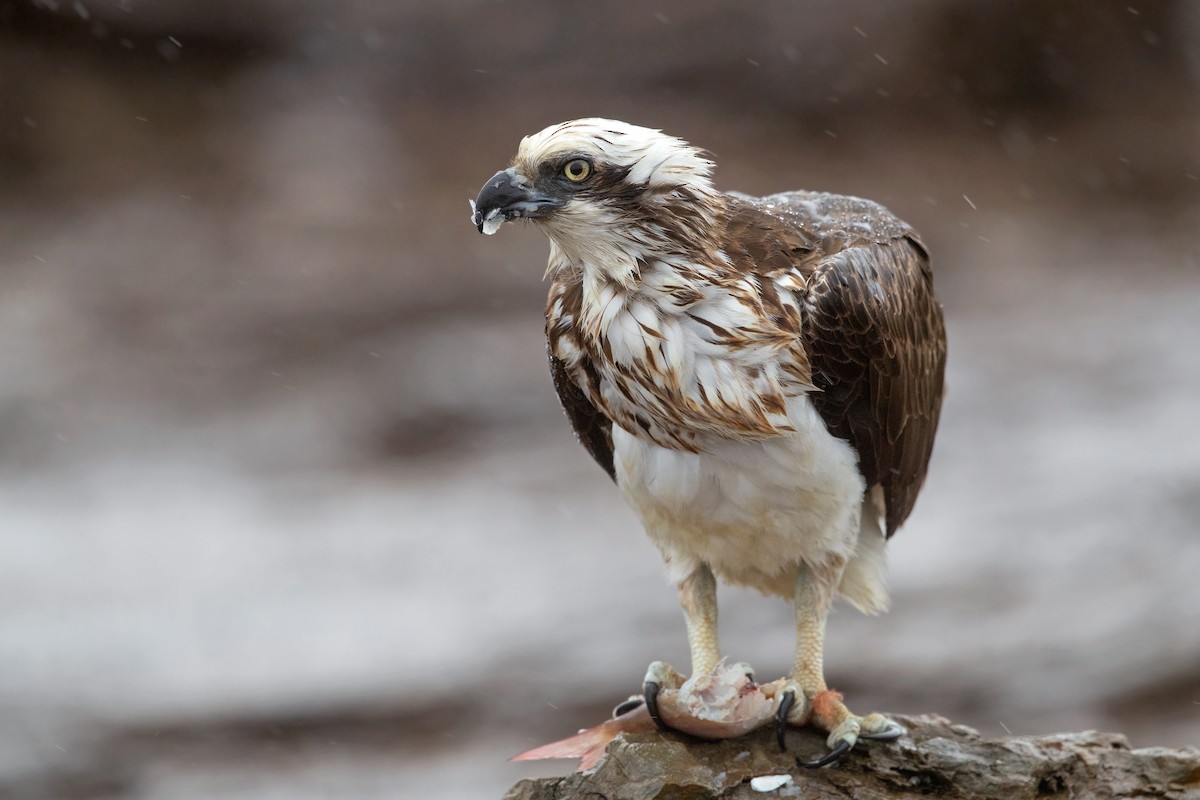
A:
(616, 255)
(602, 251)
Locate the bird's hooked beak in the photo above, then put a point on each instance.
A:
(509, 195)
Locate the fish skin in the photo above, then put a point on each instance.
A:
(724, 705)
(588, 745)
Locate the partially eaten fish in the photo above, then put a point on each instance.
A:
(491, 223)
(721, 705)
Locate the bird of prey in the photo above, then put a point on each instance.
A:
(761, 377)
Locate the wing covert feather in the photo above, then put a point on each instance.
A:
(591, 426)
(877, 343)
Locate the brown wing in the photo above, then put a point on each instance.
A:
(877, 346)
(592, 428)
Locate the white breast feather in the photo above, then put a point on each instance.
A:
(754, 511)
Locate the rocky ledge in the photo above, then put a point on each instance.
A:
(937, 758)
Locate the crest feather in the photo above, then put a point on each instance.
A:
(653, 158)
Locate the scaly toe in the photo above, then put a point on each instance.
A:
(878, 728)
(843, 737)
(847, 732)
(664, 675)
(846, 729)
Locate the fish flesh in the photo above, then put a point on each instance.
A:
(491, 223)
(720, 705)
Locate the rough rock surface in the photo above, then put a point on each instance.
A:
(937, 758)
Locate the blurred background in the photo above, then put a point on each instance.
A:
(289, 507)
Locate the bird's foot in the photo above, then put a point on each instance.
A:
(793, 708)
(659, 675)
(826, 711)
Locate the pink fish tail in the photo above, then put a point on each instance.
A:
(588, 746)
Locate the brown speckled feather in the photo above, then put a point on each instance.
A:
(593, 429)
(872, 329)
(871, 337)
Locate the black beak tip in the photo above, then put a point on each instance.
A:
(477, 215)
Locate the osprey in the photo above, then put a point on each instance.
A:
(761, 377)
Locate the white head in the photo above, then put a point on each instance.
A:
(648, 157)
(607, 193)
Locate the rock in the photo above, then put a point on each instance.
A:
(937, 758)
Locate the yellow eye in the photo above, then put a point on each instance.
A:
(577, 170)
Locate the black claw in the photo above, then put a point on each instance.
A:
(883, 735)
(832, 757)
(781, 715)
(627, 706)
(650, 692)
(889, 734)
